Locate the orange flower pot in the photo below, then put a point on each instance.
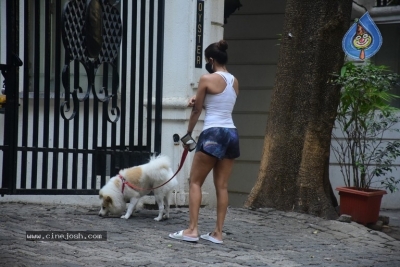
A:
(362, 205)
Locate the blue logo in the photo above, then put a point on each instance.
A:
(363, 39)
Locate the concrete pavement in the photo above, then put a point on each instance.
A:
(393, 229)
(265, 237)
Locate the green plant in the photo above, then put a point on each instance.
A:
(363, 118)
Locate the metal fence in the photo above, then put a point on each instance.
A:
(87, 100)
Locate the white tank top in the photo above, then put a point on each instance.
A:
(219, 106)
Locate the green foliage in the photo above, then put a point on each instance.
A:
(364, 115)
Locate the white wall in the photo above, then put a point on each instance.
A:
(181, 79)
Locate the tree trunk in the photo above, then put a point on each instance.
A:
(293, 173)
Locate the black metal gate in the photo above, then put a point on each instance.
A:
(87, 100)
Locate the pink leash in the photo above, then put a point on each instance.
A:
(125, 182)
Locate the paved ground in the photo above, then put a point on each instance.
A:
(253, 238)
(393, 229)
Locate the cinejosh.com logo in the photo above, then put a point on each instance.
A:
(66, 235)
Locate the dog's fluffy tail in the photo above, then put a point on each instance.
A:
(159, 168)
(159, 162)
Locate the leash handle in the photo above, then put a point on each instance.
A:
(189, 141)
(183, 158)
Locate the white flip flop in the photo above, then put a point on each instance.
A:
(210, 238)
(179, 236)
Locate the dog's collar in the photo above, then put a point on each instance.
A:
(125, 182)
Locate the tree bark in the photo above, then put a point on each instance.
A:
(293, 173)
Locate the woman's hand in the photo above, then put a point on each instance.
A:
(192, 100)
(189, 145)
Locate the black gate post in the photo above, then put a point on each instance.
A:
(11, 90)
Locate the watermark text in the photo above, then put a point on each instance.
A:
(66, 235)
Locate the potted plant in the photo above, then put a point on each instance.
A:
(360, 142)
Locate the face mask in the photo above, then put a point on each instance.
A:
(209, 67)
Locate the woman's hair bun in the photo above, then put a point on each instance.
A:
(222, 45)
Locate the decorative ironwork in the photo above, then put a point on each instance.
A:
(40, 152)
(91, 34)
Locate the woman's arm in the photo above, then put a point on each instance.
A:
(198, 102)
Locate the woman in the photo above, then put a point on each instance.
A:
(218, 143)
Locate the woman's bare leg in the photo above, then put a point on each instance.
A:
(222, 172)
(201, 166)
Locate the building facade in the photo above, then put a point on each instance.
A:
(189, 26)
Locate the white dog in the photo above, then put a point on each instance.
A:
(126, 187)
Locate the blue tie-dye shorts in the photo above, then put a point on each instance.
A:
(219, 142)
